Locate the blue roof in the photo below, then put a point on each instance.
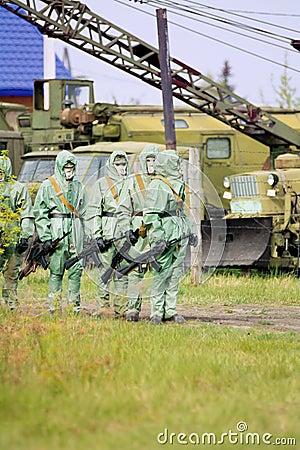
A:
(21, 56)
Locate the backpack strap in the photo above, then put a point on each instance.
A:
(178, 198)
(140, 183)
(62, 197)
(112, 188)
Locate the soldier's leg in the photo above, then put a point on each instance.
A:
(135, 285)
(120, 296)
(103, 298)
(177, 273)
(10, 284)
(55, 292)
(74, 280)
(134, 293)
(160, 284)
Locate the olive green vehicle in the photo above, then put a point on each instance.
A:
(66, 116)
(262, 228)
(233, 135)
(91, 159)
(10, 137)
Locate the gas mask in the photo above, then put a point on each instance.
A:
(2, 175)
(121, 166)
(150, 160)
(69, 171)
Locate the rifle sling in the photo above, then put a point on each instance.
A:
(62, 197)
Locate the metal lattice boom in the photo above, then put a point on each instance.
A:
(74, 23)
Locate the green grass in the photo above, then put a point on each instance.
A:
(75, 383)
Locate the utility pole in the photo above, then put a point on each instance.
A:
(166, 78)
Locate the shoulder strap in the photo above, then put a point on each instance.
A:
(112, 188)
(178, 198)
(62, 197)
(140, 183)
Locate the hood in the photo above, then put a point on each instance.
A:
(5, 166)
(111, 171)
(167, 164)
(61, 160)
(150, 149)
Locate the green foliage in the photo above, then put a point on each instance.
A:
(9, 220)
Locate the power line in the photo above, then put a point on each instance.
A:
(147, 3)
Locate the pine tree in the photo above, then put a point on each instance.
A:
(286, 93)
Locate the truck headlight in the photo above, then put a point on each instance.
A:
(226, 182)
(272, 179)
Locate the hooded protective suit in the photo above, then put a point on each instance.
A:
(165, 219)
(52, 219)
(14, 198)
(130, 217)
(100, 222)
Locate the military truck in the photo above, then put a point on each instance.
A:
(38, 166)
(107, 42)
(262, 228)
(10, 138)
(65, 116)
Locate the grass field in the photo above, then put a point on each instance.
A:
(82, 383)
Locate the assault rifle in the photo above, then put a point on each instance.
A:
(119, 256)
(150, 256)
(36, 255)
(90, 249)
(145, 258)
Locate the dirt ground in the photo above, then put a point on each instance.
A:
(266, 318)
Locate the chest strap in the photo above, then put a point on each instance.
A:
(178, 198)
(63, 198)
(140, 183)
(112, 188)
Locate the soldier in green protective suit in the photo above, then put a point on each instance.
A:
(59, 208)
(165, 220)
(100, 222)
(130, 218)
(17, 226)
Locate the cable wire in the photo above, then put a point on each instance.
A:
(215, 39)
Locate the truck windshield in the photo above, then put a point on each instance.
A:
(36, 170)
(89, 169)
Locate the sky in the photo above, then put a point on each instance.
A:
(257, 66)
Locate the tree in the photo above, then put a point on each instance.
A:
(226, 74)
(286, 93)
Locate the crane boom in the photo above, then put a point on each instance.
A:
(74, 23)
